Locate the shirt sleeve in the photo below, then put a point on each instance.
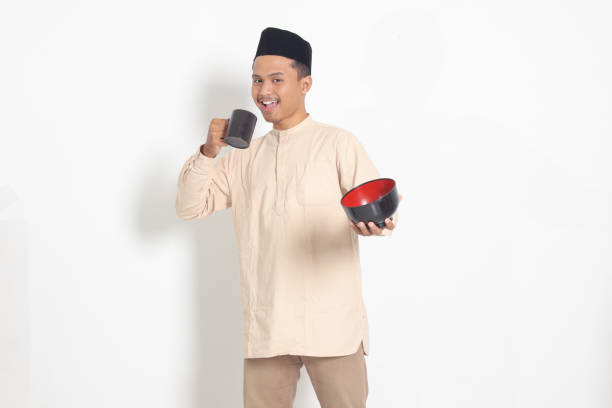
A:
(355, 167)
(203, 187)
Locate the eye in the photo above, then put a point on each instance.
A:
(255, 80)
(277, 79)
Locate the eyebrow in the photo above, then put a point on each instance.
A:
(274, 73)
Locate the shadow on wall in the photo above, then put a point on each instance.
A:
(14, 318)
(218, 369)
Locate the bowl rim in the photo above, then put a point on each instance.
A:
(364, 183)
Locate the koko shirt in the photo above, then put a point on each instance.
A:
(300, 274)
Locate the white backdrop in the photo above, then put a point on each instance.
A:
(493, 117)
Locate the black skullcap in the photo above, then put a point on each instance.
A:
(274, 41)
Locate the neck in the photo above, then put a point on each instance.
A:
(292, 120)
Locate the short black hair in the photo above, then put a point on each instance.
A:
(301, 68)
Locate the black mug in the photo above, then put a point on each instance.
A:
(240, 129)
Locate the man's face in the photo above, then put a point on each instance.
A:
(275, 80)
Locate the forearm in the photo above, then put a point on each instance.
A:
(193, 193)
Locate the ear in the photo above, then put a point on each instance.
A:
(306, 84)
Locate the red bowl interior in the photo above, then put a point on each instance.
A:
(368, 192)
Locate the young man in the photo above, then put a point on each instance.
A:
(298, 251)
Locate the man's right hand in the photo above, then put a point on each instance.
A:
(216, 134)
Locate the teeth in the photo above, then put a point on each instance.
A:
(268, 102)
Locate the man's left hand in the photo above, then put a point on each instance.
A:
(362, 229)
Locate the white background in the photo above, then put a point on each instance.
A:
(493, 117)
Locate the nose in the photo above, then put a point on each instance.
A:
(266, 87)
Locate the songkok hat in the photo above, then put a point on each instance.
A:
(274, 41)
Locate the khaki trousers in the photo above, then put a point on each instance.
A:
(339, 382)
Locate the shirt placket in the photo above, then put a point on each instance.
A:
(279, 199)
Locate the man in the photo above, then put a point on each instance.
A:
(299, 263)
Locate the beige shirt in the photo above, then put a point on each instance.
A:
(300, 274)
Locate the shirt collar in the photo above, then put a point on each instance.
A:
(300, 126)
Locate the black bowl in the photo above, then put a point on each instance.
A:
(373, 201)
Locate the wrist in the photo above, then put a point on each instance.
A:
(206, 151)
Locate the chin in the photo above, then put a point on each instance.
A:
(271, 118)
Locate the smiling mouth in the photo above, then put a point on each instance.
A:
(269, 106)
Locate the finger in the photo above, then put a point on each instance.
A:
(389, 224)
(400, 197)
(216, 124)
(219, 125)
(221, 140)
(225, 123)
(363, 228)
(374, 228)
(354, 228)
